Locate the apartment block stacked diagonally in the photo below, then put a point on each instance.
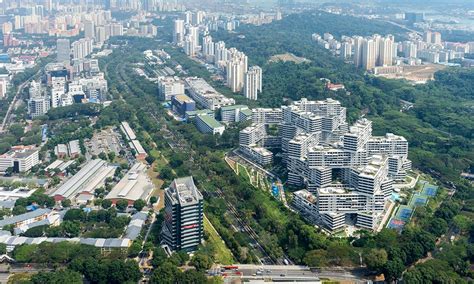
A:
(348, 173)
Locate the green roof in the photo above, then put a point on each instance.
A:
(224, 108)
(199, 111)
(247, 112)
(210, 121)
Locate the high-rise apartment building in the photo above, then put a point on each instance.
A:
(208, 50)
(193, 32)
(436, 38)
(190, 46)
(81, 48)
(253, 83)
(427, 36)
(385, 51)
(236, 67)
(63, 48)
(220, 52)
(178, 31)
(369, 53)
(183, 226)
(89, 29)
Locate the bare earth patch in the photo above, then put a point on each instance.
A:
(288, 57)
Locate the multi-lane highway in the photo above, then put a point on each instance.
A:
(286, 273)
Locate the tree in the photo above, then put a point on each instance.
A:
(139, 204)
(111, 156)
(134, 249)
(17, 130)
(106, 203)
(24, 253)
(393, 269)
(66, 203)
(75, 214)
(375, 259)
(201, 261)
(35, 232)
(462, 222)
(159, 257)
(316, 258)
(3, 248)
(121, 204)
(153, 200)
(166, 173)
(166, 273)
(57, 277)
(71, 229)
(103, 156)
(18, 210)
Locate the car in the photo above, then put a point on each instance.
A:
(282, 275)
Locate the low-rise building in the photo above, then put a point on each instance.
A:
(169, 87)
(20, 158)
(90, 177)
(182, 104)
(205, 95)
(208, 124)
(133, 186)
(193, 114)
(25, 219)
(235, 113)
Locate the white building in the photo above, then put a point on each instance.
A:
(178, 31)
(253, 83)
(169, 87)
(205, 95)
(20, 158)
(349, 171)
(208, 124)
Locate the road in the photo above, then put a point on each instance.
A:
(289, 273)
(145, 256)
(7, 119)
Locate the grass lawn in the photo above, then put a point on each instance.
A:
(223, 255)
(158, 183)
(19, 277)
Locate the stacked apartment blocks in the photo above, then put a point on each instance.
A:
(348, 172)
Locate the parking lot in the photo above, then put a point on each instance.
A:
(105, 141)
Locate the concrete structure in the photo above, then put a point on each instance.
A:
(253, 83)
(349, 171)
(133, 186)
(205, 95)
(20, 158)
(81, 48)
(4, 85)
(63, 48)
(183, 227)
(235, 113)
(169, 87)
(195, 113)
(25, 219)
(208, 124)
(178, 31)
(236, 68)
(181, 104)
